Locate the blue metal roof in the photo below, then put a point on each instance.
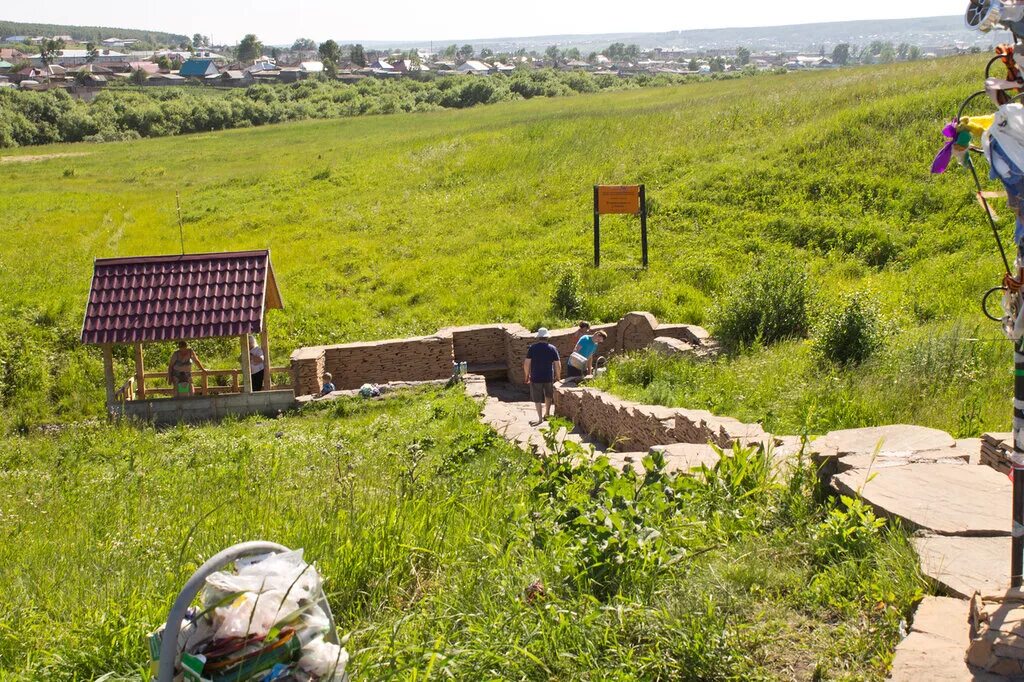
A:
(198, 67)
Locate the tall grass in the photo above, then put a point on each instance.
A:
(943, 375)
(426, 526)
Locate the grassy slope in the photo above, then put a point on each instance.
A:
(422, 523)
(401, 224)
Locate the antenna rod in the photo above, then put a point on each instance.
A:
(181, 230)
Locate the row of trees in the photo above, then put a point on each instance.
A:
(876, 52)
(29, 118)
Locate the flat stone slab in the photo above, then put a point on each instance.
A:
(944, 499)
(958, 454)
(965, 565)
(895, 439)
(934, 650)
(688, 456)
(679, 458)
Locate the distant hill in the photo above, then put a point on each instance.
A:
(924, 32)
(86, 33)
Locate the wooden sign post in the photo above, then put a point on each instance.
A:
(620, 200)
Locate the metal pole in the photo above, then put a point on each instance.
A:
(643, 222)
(597, 231)
(988, 214)
(1017, 543)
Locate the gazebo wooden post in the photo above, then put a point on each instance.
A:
(108, 371)
(246, 367)
(140, 373)
(265, 345)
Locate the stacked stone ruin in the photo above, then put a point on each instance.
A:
(500, 348)
(635, 427)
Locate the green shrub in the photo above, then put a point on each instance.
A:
(769, 305)
(850, 334)
(613, 524)
(848, 533)
(569, 300)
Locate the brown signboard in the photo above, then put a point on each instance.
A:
(620, 199)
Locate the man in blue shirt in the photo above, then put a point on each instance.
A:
(542, 368)
(581, 362)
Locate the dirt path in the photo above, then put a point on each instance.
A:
(29, 158)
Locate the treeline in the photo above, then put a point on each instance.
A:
(33, 118)
(84, 33)
(875, 52)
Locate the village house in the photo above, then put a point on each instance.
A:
(118, 42)
(40, 74)
(182, 56)
(166, 79)
(474, 67)
(12, 55)
(576, 65)
(261, 67)
(199, 68)
(408, 66)
(148, 67)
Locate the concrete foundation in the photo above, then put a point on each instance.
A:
(204, 408)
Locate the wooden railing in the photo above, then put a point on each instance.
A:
(126, 392)
(204, 385)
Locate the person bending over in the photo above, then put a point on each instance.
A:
(581, 362)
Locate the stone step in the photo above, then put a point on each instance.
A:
(942, 499)
(494, 371)
(964, 565)
(936, 647)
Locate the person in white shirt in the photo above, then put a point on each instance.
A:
(257, 364)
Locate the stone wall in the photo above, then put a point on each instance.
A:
(377, 362)
(638, 330)
(431, 357)
(308, 370)
(484, 344)
(634, 427)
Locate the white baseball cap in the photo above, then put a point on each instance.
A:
(543, 333)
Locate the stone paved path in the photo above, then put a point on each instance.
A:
(934, 649)
(961, 511)
(920, 476)
(508, 410)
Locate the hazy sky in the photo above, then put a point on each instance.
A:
(279, 22)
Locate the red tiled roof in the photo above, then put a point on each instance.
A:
(170, 298)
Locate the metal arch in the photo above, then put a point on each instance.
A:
(970, 98)
(984, 303)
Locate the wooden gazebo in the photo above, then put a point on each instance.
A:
(182, 298)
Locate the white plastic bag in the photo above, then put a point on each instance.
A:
(325, 660)
(268, 591)
(252, 614)
(286, 572)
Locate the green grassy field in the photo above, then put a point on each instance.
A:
(426, 525)
(428, 528)
(395, 225)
